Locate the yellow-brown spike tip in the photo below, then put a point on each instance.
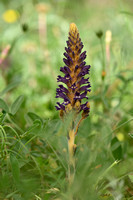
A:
(73, 28)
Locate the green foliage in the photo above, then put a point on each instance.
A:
(15, 168)
(16, 105)
(116, 149)
(33, 140)
(4, 106)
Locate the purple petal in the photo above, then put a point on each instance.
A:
(79, 96)
(83, 95)
(81, 43)
(86, 67)
(65, 70)
(68, 50)
(68, 61)
(57, 108)
(60, 106)
(67, 56)
(82, 56)
(85, 87)
(63, 89)
(68, 43)
(61, 79)
(84, 71)
(62, 95)
(64, 79)
(84, 107)
(82, 64)
(80, 48)
(83, 81)
(70, 40)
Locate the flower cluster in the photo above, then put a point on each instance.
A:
(74, 71)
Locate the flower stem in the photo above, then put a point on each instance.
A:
(71, 149)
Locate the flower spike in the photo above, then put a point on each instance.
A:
(74, 71)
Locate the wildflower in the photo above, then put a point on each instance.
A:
(75, 70)
(10, 16)
(73, 90)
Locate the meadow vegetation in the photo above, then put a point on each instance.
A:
(34, 158)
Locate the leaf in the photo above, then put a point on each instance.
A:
(11, 194)
(35, 128)
(16, 104)
(33, 116)
(15, 168)
(2, 117)
(131, 177)
(127, 13)
(116, 149)
(9, 87)
(3, 105)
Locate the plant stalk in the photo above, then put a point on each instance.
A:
(71, 149)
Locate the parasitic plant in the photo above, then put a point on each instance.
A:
(77, 85)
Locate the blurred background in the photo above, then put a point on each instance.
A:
(33, 34)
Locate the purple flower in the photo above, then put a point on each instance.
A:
(74, 71)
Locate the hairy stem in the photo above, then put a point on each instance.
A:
(71, 149)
